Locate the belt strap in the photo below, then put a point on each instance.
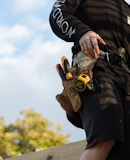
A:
(117, 57)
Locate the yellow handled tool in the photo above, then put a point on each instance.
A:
(66, 67)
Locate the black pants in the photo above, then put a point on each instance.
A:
(105, 113)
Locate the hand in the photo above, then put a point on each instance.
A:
(89, 44)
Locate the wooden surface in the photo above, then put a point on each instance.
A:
(70, 151)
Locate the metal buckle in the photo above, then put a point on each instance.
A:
(107, 56)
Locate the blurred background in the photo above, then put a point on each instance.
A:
(29, 52)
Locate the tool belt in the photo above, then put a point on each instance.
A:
(117, 58)
(79, 80)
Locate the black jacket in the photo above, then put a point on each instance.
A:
(70, 19)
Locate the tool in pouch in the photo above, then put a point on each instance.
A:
(66, 67)
(60, 72)
(81, 82)
(69, 99)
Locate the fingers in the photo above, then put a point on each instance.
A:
(95, 48)
(87, 47)
(89, 44)
(101, 40)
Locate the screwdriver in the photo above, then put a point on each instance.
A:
(66, 66)
(60, 72)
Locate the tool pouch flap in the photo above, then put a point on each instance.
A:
(69, 99)
(73, 95)
(64, 101)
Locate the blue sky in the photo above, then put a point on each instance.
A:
(29, 52)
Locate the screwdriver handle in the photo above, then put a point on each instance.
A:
(66, 66)
(61, 72)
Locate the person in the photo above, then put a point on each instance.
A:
(94, 26)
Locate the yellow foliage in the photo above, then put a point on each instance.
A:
(30, 132)
(1, 158)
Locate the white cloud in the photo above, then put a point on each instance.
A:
(29, 78)
(19, 32)
(15, 32)
(38, 24)
(27, 5)
(9, 35)
(36, 62)
(7, 48)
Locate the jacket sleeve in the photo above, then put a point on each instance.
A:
(63, 21)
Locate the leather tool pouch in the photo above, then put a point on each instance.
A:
(69, 99)
(65, 102)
